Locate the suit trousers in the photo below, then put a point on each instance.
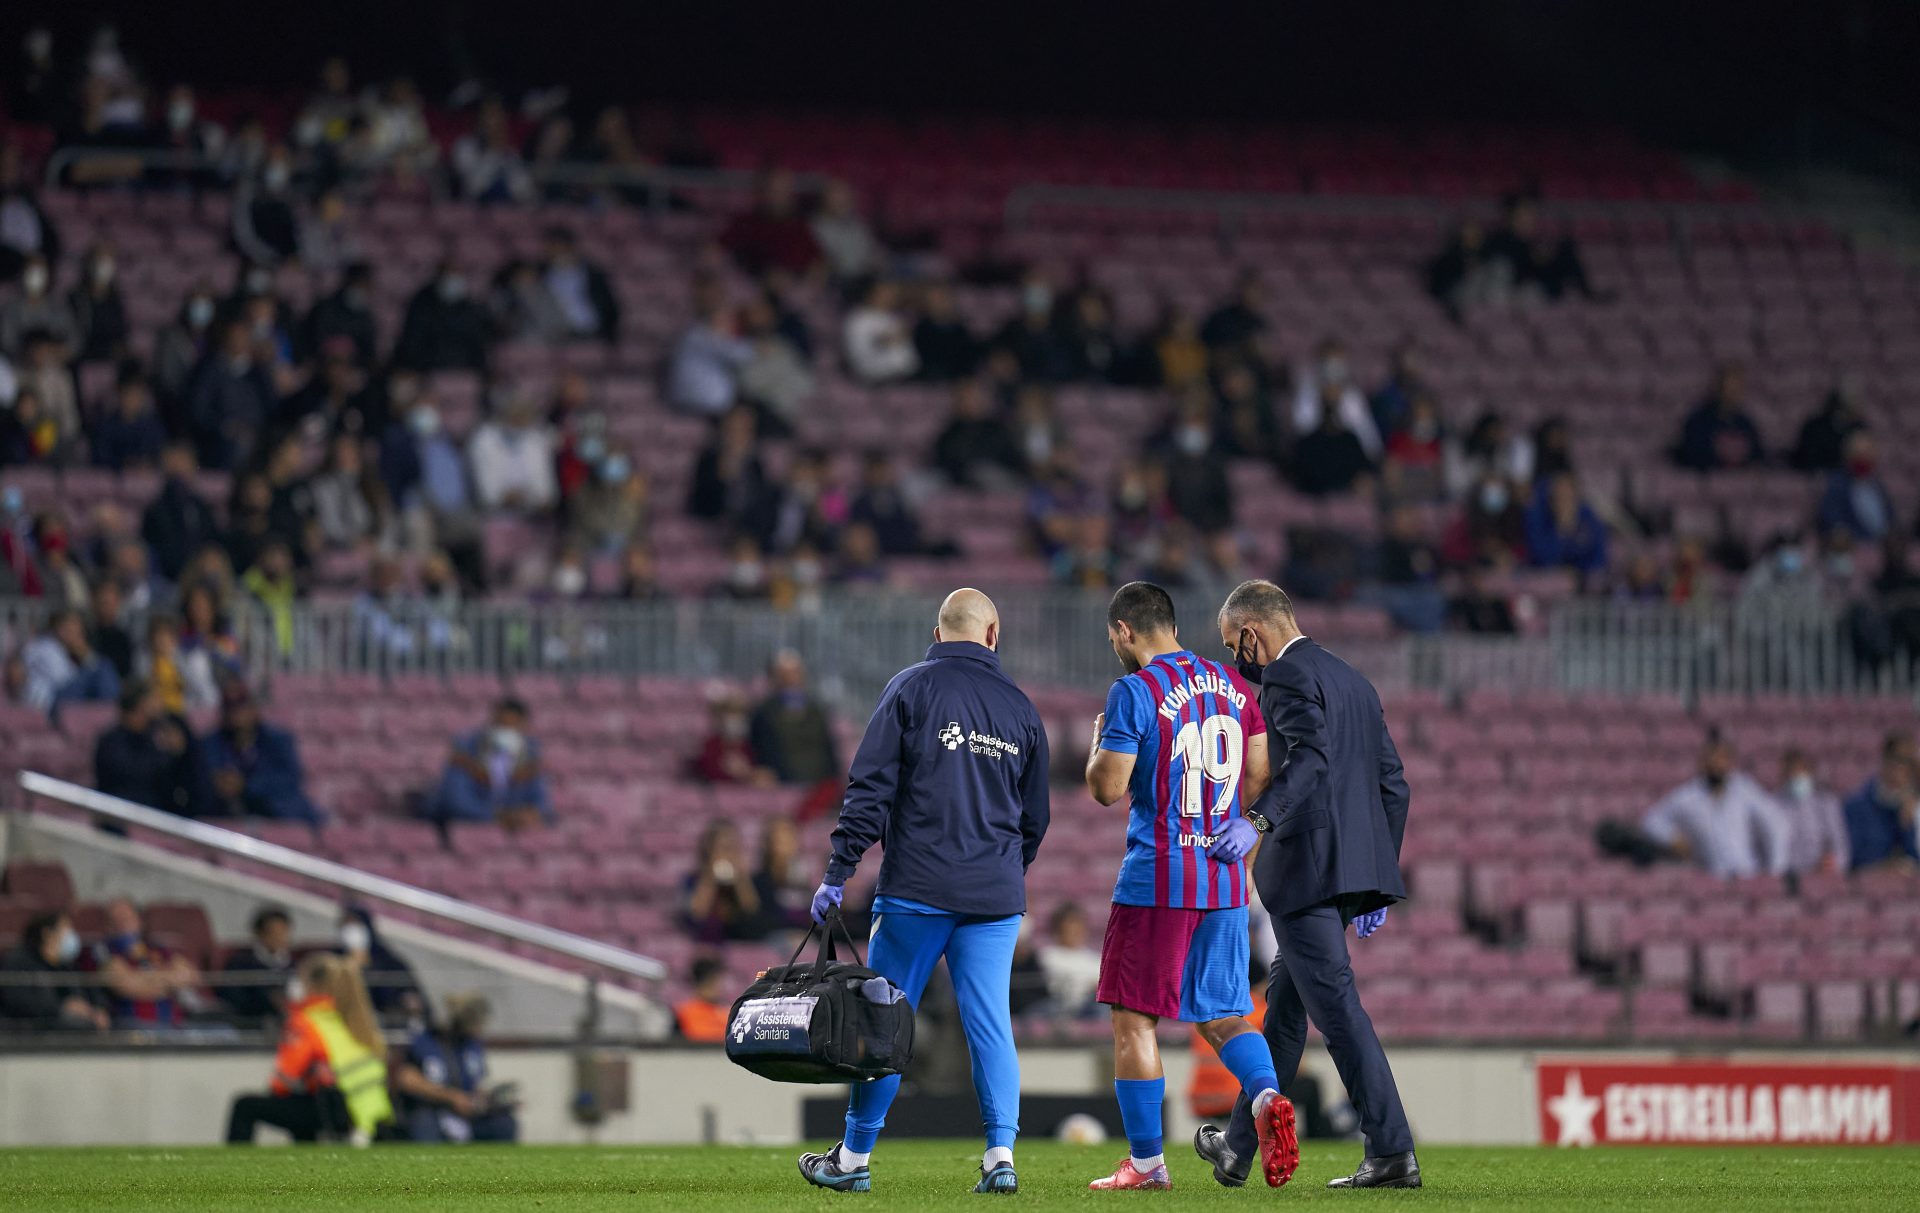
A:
(1313, 979)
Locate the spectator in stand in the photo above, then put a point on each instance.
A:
(425, 476)
(442, 1081)
(1718, 434)
(613, 508)
(580, 288)
(230, 400)
(1088, 561)
(346, 316)
(703, 371)
(249, 768)
(1552, 448)
(1563, 531)
(946, 347)
(179, 347)
(859, 562)
(343, 498)
(391, 985)
(975, 450)
(41, 987)
(1416, 448)
(128, 435)
(257, 995)
(878, 344)
(204, 629)
(148, 985)
(1327, 385)
(495, 774)
(27, 435)
(487, 168)
(778, 378)
(791, 730)
(719, 902)
(772, 235)
(638, 580)
(1070, 962)
(853, 254)
(1534, 266)
(1179, 355)
(747, 578)
(177, 523)
(145, 756)
(1640, 580)
(1249, 429)
(1818, 839)
(1331, 458)
(882, 504)
(1238, 323)
(1463, 274)
(1055, 504)
(327, 242)
(1883, 817)
(330, 109)
(1821, 445)
(1490, 449)
(784, 879)
(62, 584)
(1408, 571)
(1856, 504)
(729, 481)
(701, 1017)
(26, 231)
(1722, 821)
(445, 328)
(48, 377)
(1392, 401)
(805, 509)
(1088, 342)
(61, 667)
(1476, 609)
(726, 753)
(99, 313)
(266, 228)
(274, 588)
(512, 458)
(36, 309)
(181, 680)
(1030, 336)
(108, 634)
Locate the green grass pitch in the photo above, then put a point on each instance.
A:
(921, 1175)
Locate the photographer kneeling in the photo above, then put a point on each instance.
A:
(442, 1082)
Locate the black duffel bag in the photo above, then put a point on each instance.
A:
(828, 1021)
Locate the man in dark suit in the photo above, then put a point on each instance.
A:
(1334, 816)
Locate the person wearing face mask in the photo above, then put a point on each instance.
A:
(726, 752)
(512, 460)
(1883, 817)
(392, 986)
(266, 229)
(41, 987)
(99, 313)
(36, 309)
(791, 730)
(249, 768)
(1334, 816)
(229, 400)
(445, 327)
(442, 1082)
(180, 346)
(1722, 821)
(148, 986)
(613, 508)
(1327, 385)
(1818, 839)
(1856, 503)
(495, 774)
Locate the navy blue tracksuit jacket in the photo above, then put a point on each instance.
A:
(952, 777)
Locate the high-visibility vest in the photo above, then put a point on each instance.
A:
(359, 1072)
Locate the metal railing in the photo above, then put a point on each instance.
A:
(346, 879)
(1056, 638)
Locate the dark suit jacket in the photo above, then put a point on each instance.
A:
(1338, 801)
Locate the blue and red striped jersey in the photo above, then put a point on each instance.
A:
(1187, 720)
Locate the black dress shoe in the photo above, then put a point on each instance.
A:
(1387, 1171)
(1229, 1169)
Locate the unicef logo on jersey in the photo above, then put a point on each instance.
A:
(953, 737)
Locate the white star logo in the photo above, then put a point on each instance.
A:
(1574, 1109)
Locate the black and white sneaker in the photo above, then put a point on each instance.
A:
(1000, 1179)
(823, 1171)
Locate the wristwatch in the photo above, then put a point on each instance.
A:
(1259, 820)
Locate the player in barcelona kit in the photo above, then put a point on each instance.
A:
(1183, 739)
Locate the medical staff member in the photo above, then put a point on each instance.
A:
(952, 775)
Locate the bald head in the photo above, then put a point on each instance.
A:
(968, 615)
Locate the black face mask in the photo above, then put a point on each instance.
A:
(1243, 660)
(1715, 781)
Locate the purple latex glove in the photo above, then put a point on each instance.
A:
(1367, 924)
(1234, 841)
(826, 897)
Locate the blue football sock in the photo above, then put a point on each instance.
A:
(1250, 1061)
(1141, 1100)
